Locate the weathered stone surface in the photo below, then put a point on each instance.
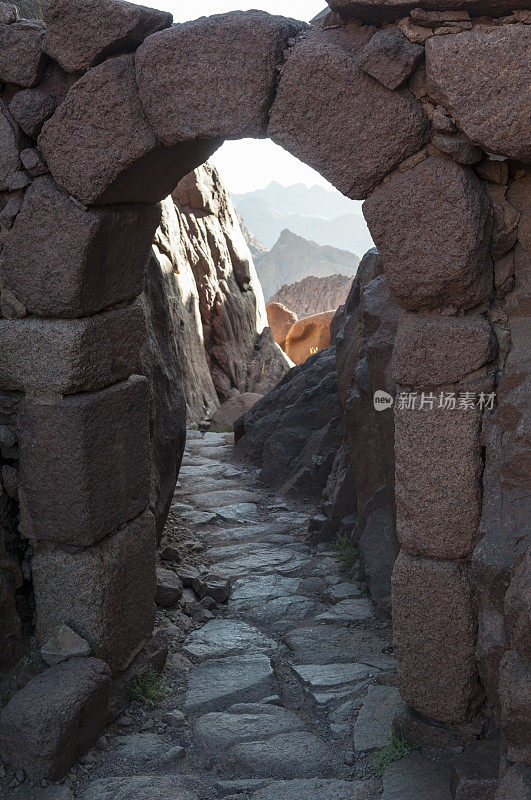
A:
(390, 57)
(286, 755)
(66, 356)
(106, 151)
(160, 359)
(313, 789)
(104, 593)
(308, 336)
(444, 210)
(138, 787)
(212, 585)
(415, 776)
(374, 721)
(221, 637)
(515, 784)
(492, 109)
(433, 351)
(352, 139)
(240, 349)
(438, 474)
(461, 150)
(83, 261)
(55, 718)
(11, 639)
(280, 319)
(505, 219)
(218, 733)
(169, 588)
(233, 408)
(31, 108)
(306, 404)
(359, 497)
(434, 637)
(96, 448)
(515, 697)
(517, 610)
(9, 147)
(328, 644)
(229, 58)
(22, 61)
(81, 34)
(64, 643)
(379, 10)
(218, 683)
(475, 773)
(8, 13)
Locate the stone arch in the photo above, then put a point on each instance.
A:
(145, 109)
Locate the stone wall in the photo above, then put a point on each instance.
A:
(415, 138)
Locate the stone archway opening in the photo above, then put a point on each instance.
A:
(144, 108)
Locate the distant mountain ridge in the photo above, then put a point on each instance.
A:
(314, 295)
(316, 213)
(293, 258)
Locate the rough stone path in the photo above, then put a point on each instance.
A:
(282, 692)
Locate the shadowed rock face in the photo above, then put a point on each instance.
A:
(295, 430)
(240, 350)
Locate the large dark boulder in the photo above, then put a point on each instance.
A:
(294, 432)
(359, 497)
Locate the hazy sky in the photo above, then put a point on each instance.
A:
(251, 163)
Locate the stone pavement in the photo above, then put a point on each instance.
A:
(282, 692)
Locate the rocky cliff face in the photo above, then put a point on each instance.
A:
(240, 351)
(293, 258)
(313, 295)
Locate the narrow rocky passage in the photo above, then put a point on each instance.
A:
(284, 690)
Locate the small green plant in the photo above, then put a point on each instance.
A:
(147, 687)
(347, 553)
(365, 590)
(394, 750)
(222, 429)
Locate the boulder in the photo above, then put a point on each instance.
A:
(313, 295)
(75, 271)
(515, 698)
(308, 336)
(515, 784)
(55, 718)
(390, 57)
(83, 33)
(118, 162)
(31, 108)
(104, 593)
(161, 364)
(459, 76)
(22, 61)
(435, 641)
(432, 351)
(64, 643)
(212, 585)
(280, 320)
(436, 206)
(8, 13)
(233, 408)
(169, 588)
(354, 139)
(379, 10)
(231, 59)
(294, 431)
(94, 445)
